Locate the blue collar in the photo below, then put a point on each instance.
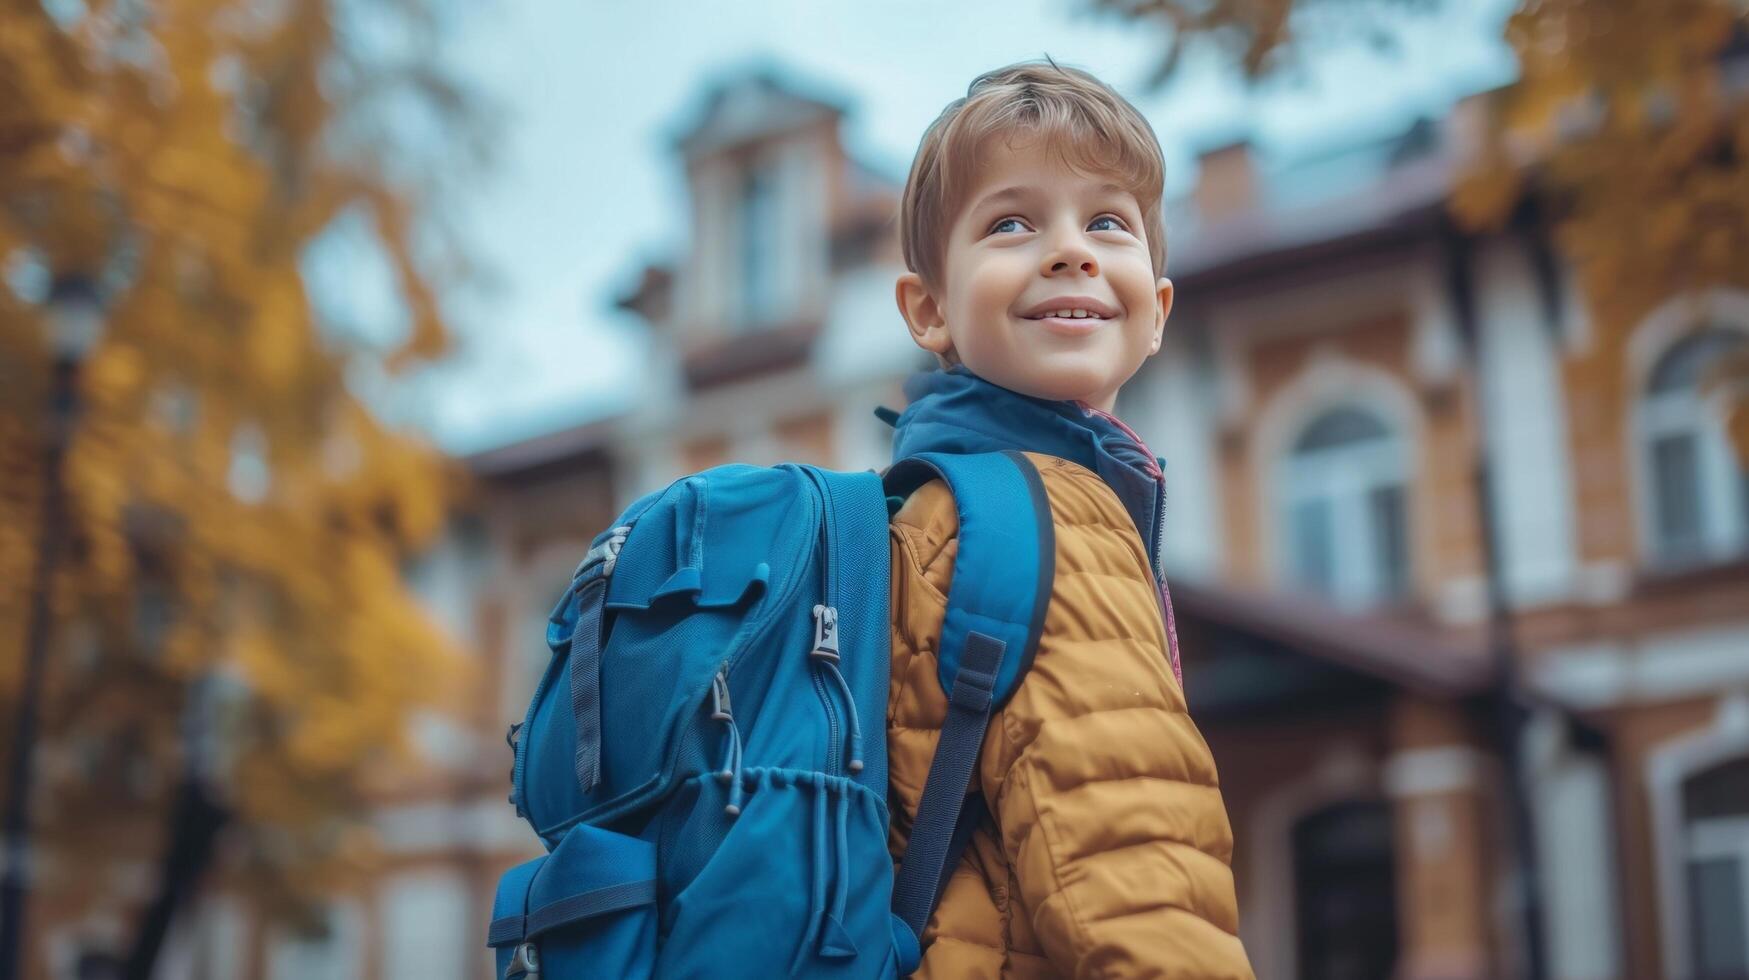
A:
(955, 411)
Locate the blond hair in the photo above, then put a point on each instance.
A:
(1091, 128)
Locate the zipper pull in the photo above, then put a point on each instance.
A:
(825, 634)
(721, 710)
(825, 653)
(730, 772)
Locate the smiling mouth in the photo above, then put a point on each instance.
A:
(1070, 325)
(1071, 315)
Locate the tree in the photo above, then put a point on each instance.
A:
(227, 611)
(1629, 117)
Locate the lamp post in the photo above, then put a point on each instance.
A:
(196, 819)
(75, 318)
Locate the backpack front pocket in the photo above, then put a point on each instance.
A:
(588, 909)
(799, 885)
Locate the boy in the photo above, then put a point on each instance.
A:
(1031, 225)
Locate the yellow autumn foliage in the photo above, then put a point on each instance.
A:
(237, 517)
(1645, 133)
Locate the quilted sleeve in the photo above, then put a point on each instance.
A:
(1104, 791)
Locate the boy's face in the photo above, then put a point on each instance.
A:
(1035, 237)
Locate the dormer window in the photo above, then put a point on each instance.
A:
(757, 241)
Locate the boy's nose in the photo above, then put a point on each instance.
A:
(1070, 256)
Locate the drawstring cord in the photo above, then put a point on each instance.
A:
(817, 881)
(834, 941)
(826, 934)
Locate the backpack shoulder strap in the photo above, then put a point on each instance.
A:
(996, 603)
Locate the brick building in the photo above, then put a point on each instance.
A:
(1339, 354)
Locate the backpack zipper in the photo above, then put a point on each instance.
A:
(831, 717)
(825, 641)
(824, 654)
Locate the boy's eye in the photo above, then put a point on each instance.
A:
(1117, 224)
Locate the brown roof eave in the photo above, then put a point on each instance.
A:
(1415, 656)
(567, 449)
(1245, 269)
(1407, 204)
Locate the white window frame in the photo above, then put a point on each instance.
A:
(1724, 530)
(1668, 768)
(758, 250)
(1659, 333)
(1343, 478)
(1722, 837)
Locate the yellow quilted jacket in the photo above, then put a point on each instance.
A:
(1110, 853)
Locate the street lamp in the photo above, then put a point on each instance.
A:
(75, 319)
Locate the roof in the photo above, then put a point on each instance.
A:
(1377, 190)
(751, 106)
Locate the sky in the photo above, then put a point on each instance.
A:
(587, 96)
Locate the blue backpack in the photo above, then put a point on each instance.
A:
(705, 756)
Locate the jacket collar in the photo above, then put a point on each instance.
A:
(955, 411)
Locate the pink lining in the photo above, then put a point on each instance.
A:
(1165, 591)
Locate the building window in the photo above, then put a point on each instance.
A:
(1345, 892)
(758, 218)
(328, 945)
(1715, 810)
(1344, 501)
(427, 927)
(1698, 494)
(531, 656)
(98, 964)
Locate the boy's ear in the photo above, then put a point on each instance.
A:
(922, 315)
(1162, 310)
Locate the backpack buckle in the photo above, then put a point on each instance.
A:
(604, 554)
(524, 963)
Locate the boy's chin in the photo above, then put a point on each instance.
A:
(1063, 383)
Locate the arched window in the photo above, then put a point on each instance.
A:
(1344, 509)
(1697, 495)
(1345, 892)
(1715, 813)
